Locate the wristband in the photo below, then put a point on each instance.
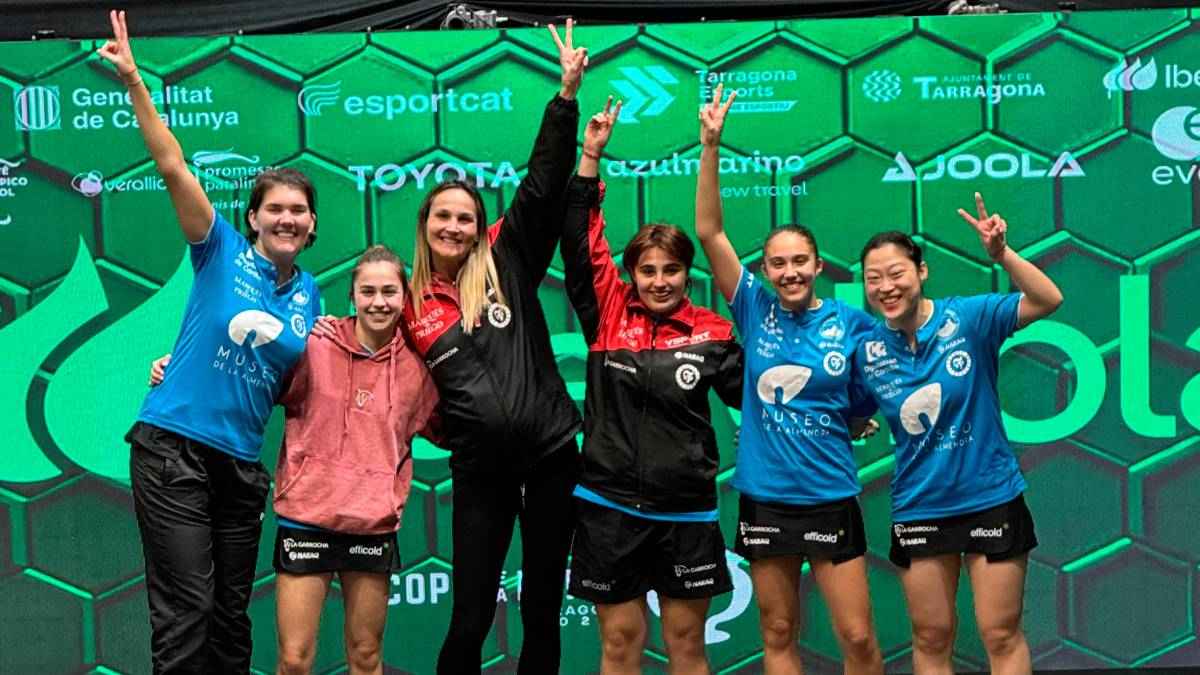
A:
(131, 85)
(591, 155)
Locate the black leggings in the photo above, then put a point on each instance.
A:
(485, 508)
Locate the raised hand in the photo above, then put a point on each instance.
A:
(117, 52)
(599, 128)
(992, 230)
(712, 117)
(573, 61)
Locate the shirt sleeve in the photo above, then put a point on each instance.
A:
(221, 237)
(749, 301)
(991, 316)
(859, 327)
(294, 389)
(728, 383)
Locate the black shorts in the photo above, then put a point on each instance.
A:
(618, 557)
(1000, 533)
(832, 531)
(300, 551)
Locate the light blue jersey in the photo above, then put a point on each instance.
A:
(794, 444)
(240, 335)
(952, 456)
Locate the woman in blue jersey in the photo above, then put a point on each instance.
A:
(795, 469)
(957, 489)
(198, 486)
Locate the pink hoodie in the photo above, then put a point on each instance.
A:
(346, 464)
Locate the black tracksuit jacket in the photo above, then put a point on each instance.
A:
(504, 404)
(648, 436)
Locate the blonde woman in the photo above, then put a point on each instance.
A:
(509, 423)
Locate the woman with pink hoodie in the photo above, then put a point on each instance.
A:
(353, 402)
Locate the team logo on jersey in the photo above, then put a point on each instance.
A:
(687, 376)
(833, 329)
(958, 363)
(875, 350)
(949, 327)
(787, 380)
(300, 298)
(499, 315)
(834, 363)
(299, 325)
(265, 327)
(245, 262)
(362, 397)
(770, 324)
(925, 401)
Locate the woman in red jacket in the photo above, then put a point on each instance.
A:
(353, 403)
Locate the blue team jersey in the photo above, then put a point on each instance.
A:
(797, 397)
(952, 455)
(241, 333)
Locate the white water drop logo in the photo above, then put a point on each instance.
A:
(743, 589)
(266, 328)
(1131, 77)
(925, 401)
(789, 380)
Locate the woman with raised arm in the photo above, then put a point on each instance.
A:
(795, 466)
(647, 495)
(509, 422)
(198, 487)
(957, 489)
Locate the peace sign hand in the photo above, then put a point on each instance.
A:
(116, 51)
(992, 230)
(572, 59)
(599, 128)
(712, 117)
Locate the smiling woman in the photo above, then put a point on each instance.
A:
(199, 489)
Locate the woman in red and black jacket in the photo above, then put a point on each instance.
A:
(507, 418)
(647, 494)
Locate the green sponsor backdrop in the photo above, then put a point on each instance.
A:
(1080, 128)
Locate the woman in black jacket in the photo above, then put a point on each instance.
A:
(507, 418)
(647, 496)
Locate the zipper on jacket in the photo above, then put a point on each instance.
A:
(647, 380)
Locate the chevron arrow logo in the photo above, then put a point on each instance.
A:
(644, 92)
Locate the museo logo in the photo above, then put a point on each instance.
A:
(265, 328)
(37, 108)
(644, 90)
(968, 166)
(315, 98)
(1131, 77)
(882, 86)
(925, 402)
(787, 380)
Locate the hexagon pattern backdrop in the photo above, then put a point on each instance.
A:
(1080, 128)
